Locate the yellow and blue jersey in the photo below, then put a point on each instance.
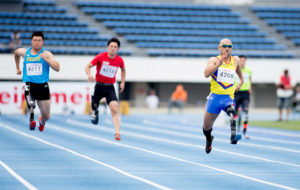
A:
(35, 68)
(222, 81)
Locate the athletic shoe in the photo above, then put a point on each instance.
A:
(235, 138)
(208, 146)
(41, 127)
(117, 137)
(32, 125)
(95, 117)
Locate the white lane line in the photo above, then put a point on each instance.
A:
(17, 176)
(136, 135)
(192, 136)
(170, 157)
(193, 129)
(87, 157)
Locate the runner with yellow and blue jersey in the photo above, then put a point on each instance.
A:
(222, 70)
(242, 97)
(37, 62)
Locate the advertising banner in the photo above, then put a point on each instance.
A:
(66, 97)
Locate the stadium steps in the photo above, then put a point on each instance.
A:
(271, 32)
(72, 9)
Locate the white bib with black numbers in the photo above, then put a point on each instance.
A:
(34, 69)
(108, 71)
(225, 75)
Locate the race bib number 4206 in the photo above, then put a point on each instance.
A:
(108, 71)
(226, 75)
(34, 69)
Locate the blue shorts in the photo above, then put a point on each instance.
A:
(217, 102)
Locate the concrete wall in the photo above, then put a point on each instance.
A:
(145, 69)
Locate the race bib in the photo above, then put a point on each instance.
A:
(34, 69)
(225, 75)
(108, 71)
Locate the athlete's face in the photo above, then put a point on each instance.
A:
(112, 48)
(225, 47)
(242, 62)
(37, 42)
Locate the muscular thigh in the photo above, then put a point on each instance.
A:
(44, 106)
(209, 119)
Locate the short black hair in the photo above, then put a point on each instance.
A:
(37, 33)
(243, 56)
(114, 40)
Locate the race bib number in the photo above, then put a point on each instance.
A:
(108, 71)
(34, 69)
(225, 75)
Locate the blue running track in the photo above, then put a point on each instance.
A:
(155, 152)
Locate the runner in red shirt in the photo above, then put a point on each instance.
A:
(107, 64)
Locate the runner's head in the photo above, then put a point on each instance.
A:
(243, 60)
(286, 72)
(225, 47)
(113, 46)
(37, 40)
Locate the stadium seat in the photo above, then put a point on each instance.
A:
(284, 19)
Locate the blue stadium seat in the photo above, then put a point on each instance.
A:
(207, 46)
(282, 21)
(278, 15)
(58, 16)
(229, 33)
(48, 29)
(71, 23)
(164, 12)
(287, 28)
(105, 17)
(198, 39)
(291, 34)
(45, 9)
(69, 43)
(297, 41)
(171, 25)
(40, 3)
(4, 41)
(153, 6)
(84, 51)
(251, 54)
(275, 9)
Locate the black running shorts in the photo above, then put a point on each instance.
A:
(103, 90)
(38, 91)
(242, 99)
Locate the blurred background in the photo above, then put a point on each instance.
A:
(163, 43)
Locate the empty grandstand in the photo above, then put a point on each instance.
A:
(152, 29)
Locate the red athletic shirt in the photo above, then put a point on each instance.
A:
(107, 68)
(285, 81)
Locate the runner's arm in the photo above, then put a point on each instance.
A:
(212, 65)
(123, 76)
(88, 72)
(50, 59)
(20, 52)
